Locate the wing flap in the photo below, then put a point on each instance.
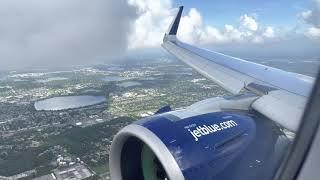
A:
(282, 107)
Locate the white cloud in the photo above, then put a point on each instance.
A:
(155, 17)
(249, 22)
(59, 32)
(231, 33)
(312, 17)
(246, 35)
(55, 32)
(313, 33)
(152, 22)
(306, 14)
(191, 28)
(269, 32)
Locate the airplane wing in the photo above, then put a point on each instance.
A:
(281, 95)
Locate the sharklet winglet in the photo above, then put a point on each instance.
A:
(175, 24)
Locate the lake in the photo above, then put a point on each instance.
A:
(68, 102)
(114, 78)
(129, 84)
(51, 79)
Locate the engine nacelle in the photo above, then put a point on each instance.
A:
(179, 146)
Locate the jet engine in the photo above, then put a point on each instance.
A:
(218, 138)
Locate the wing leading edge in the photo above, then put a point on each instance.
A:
(282, 94)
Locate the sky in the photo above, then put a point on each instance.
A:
(272, 12)
(229, 22)
(59, 32)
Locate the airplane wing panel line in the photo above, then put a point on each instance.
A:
(273, 77)
(220, 75)
(282, 106)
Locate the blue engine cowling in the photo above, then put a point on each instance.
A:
(219, 145)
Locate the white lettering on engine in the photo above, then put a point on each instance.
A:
(209, 129)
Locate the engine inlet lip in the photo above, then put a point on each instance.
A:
(156, 145)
